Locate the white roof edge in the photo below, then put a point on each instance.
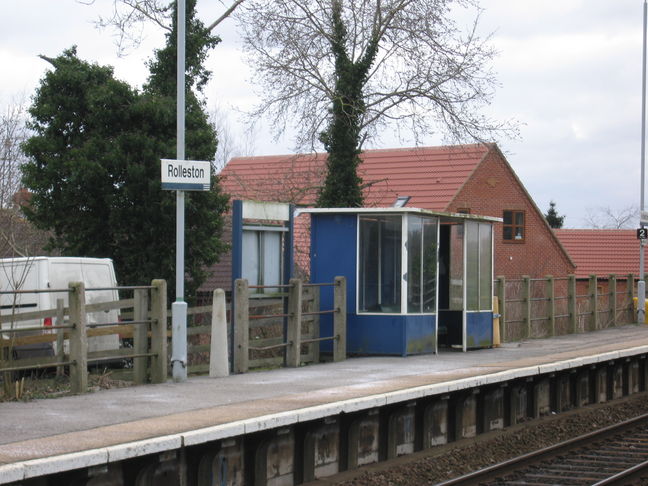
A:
(57, 258)
(475, 217)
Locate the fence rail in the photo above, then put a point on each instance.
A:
(550, 306)
(301, 329)
(147, 328)
(271, 332)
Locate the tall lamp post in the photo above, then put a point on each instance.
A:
(641, 285)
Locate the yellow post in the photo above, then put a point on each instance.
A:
(496, 323)
(636, 304)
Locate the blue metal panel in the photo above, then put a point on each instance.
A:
(237, 240)
(375, 334)
(333, 254)
(420, 336)
(399, 335)
(479, 329)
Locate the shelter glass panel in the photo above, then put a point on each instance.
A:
(472, 268)
(485, 266)
(430, 258)
(414, 263)
(456, 290)
(421, 264)
(380, 272)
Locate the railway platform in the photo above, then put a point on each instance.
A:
(271, 425)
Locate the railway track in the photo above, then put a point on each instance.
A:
(614, 455)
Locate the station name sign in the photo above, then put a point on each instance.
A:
(185, 175)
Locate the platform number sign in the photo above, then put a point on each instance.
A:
(642, 233)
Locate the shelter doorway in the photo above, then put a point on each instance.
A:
(451, 326)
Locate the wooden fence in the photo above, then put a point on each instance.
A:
(147, 328)
(144, 331)
(255, 347)
(543, 307)
(272, 332)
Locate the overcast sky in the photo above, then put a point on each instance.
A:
(570, 73)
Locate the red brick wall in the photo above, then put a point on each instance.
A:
(492, 189)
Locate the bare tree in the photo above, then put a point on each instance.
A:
(17, 236)
(426, 77)
(13, 132)
(612, 218)
(230, 144)
(129, 18)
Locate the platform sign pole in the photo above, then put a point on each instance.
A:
(181, 175)
(179, 307)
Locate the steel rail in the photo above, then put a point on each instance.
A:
(517, 464)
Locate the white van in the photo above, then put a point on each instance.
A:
(55, 273)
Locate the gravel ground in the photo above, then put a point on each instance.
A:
(443, 463)
(50, 386)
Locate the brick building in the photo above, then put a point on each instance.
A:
(464, 178)
(602, 252)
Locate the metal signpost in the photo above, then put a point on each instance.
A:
(181, 176)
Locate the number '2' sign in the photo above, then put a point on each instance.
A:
(642, 233)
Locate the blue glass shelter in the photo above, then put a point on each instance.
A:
(416, 279)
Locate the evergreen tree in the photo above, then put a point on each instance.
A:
(342, 187)
(552, 217)
(94, 168)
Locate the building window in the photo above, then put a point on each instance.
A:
(513, 229)
(463, 210)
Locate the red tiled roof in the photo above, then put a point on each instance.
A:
(601, 251)
(432, 176)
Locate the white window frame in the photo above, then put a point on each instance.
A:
(404, 258)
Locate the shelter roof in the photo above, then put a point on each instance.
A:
(408, 210)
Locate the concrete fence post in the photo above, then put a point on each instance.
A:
(315, 307)
(501, 296)
(612, 291)
(572, 304)
(242, 325)
(551, 296)
(630, 289)
(60, 336)
(159, 361)
(593, 295)
(218, 359)
(78, 339)
(339, 319)
(293, 333)
(140, 335)
(526, 282)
